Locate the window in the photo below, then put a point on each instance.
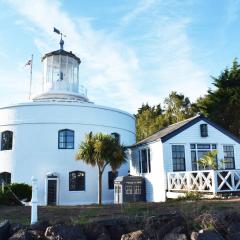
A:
(111, 177)
(116, 136)
(137, 189)
(144, 161)
(128, 189)
(229, 162)
(5, 177)
(77, 181)
(6, 141)
(198, 151)
(178, 158)
(204, 130)
(65, 139)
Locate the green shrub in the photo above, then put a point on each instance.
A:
(21, 190)
(193, 196)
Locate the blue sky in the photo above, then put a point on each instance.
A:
(132, 51)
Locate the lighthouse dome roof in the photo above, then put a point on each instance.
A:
(63, 53)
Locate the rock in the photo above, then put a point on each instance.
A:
(5, 228)
(176, 234)
(65, 232)
(39, 226)
(194, 235)
(16, 227)
(209, 235)
(233, 236)
(116, 231)
(137, 235)
(158, 227)
(95, 231)
(22, 234)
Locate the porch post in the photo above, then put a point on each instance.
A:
(214, 182)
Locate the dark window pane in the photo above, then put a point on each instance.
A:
(178, 157)
(77, 181)
(116, 136)
(149, 160)
(214, 146)
(5, 177)
(144, 160)
(66, 139)
(203, 146)
(194, 160)
(6, 140)
(111, 177)
(204, 130)
(139, 162)
(229, 161)
(192, 146)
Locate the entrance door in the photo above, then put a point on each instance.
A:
(52, 192)
(118, 194)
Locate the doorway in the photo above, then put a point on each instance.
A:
(52, 190)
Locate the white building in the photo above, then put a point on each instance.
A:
(168, 159)
(40, 138)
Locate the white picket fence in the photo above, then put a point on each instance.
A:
(214, 181)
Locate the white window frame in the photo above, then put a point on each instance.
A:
(201, 149)
(149, 167)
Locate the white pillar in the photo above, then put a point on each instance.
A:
(34, 201)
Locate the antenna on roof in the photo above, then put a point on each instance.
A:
(62, 35)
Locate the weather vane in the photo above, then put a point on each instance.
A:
(62, 35)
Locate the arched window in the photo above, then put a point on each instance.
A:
(66, 139)
(116, 136)
(5, 177)
(77, 181)
(111, 177)
(6, 140)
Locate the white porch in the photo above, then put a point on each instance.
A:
(205, 181)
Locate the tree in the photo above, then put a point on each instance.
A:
(151, 119)
(101, 150)
(221, 104)
(148, 120)
(177, 108)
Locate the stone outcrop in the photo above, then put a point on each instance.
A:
(164, 227)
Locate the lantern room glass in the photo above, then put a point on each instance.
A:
(61, 73)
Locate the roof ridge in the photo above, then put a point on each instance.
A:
(169, 126)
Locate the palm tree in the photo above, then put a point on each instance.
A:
(101, 150)
(209, 160)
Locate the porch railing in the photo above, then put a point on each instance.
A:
(204, 181)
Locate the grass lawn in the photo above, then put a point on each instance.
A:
(85, 214)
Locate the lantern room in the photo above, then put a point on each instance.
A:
(61, 71)
(61, 77)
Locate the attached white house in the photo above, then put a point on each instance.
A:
(168, 160)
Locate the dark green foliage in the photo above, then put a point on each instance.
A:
(223, 103)
(21, 190)
(149, 119)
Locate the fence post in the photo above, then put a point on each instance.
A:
(168, 181)
(214, 182)
(188, 181)
(34, 201)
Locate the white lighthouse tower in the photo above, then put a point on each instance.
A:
(40, 138)
(61, 77)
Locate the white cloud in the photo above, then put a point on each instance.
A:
(142, 6)
(116, 73)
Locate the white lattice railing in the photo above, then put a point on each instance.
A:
(205, 181)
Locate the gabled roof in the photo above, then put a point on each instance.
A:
(172, 130)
